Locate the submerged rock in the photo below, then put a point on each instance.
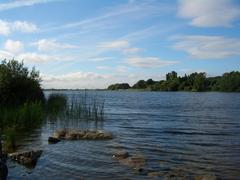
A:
(155, 174)
(121, 155)
(53, 140)
(136, 162)
(178, 173)
(27, 158)
(68, 134)
(206, 177)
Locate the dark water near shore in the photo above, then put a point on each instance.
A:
(198, 133)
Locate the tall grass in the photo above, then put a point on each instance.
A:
(22, 118)
(80, 106)
(58, 106)
(85, 107)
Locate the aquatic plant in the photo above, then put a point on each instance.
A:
(56, 103)
(21, 118)
(85, 107)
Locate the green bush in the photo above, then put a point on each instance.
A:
(19, 85)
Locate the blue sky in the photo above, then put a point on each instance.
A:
(93, 43)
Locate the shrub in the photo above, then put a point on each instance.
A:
(19, 85)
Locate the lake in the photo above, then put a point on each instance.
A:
(195, 133)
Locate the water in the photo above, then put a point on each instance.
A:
(197, 133)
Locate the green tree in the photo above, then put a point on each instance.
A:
(19, 85)
(118, 86)
(199, 81)
(140, 85)
(171, 76)
(229, 82)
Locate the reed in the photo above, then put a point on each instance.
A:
(85, 107)
(77, 107)
(21, 118)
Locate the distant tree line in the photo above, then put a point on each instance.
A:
(228, 82)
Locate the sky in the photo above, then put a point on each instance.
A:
(95, 43)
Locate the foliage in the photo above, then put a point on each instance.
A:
(229, 82)
(56, 103)
(18, 85)
(141, 84)
(72, 107)
(84, 107)
(18, 119)
(119, 86)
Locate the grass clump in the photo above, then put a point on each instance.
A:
(56, 103)
(84, 107)
(17, 119)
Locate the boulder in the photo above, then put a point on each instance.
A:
(53, 140)
(121, 155)
(27, 158)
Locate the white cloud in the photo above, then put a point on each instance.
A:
(23, 26)
(114, 45)
(149, 62)
(7, 27)
(21, 3)
(92, 80)
(103, 67)
(37, 58)
(52, 45)
(4, 28)
(208, 47)
(13, 46)
(131, 50)
(33, 57)
(118, 45)
(99, 59)
(209, 13)
(76, 80)
(121, 69)
(116, 15)
(5, 55)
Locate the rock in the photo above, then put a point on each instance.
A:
(137, 162)
(53, 140)
(177, 173)
(206, 177)
(121, 155)
(90, 135)
(28, 158)
(71, 135)
(60, 134)
(82, 135)
(3, 169)
(155, 174)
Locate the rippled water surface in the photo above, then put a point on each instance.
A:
(198, 133)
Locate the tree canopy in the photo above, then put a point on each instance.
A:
(19, 85)
(198, 81)
(119, 86)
